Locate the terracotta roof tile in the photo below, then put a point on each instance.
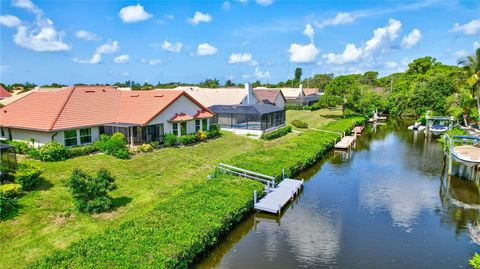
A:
(267, 96)
(181, 117)
(4, 93)
(203, 114)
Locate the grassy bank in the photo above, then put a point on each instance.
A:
(181, 227)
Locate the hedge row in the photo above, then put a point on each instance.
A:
(277, 133)
(295, 154)
(170, 236)
(299, 124)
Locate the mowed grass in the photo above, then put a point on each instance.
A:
(47, 221)
(315, 119)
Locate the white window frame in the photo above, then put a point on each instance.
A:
(80, 136)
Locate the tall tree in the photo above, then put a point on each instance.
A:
(471, 66)
(298, 74)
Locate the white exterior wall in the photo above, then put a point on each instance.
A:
(42, 138)
(279, 101)
(182, 104)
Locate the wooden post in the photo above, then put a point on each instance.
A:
(254, 197)
(283, 174)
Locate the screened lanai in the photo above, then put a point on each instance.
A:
(261, 117)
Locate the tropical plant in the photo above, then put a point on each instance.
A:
(27, 176)
(471, 66)
(52, 152)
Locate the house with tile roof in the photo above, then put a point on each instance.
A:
(79, 115)
(4, 93)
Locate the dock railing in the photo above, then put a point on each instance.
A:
(269, 181)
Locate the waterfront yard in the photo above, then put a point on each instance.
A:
(46, 220)
(315, 119)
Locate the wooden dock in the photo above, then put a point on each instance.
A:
(278, 197)
(347, 142)
(358, 129)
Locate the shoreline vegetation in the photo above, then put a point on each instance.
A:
(183, 226)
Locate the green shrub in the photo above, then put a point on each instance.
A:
(170, 140)
(7, 205)
(33, 153)
(52, 152)
(11, 189)
(201, 135)
(145, 148)
(187, 139)
(81, 151)
(27, 176)
(475, 261)
(214, 131)
(155, 144)
(277, 133)
(90, 193)
(20, 146)
(299, 124)
(116, 145)
(293, 107)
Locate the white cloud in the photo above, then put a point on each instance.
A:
(86, 35)
(382, 37)
(205, 49)
(135, 13)
(264, 2)
(177, 47)
(412, 38)
(155, 62)
(469, 28)
(302, 53)
(200, 17)
(242, 58)
(350, 54)
(96, 58)
(261, 75)
(40, 35)
(460, 53)
(226, 5)
(308, 31)
(391, 64)
(121, 59)
(340, 18)
(10, 21)
(109, 47)
(476, 45)
(125, 74)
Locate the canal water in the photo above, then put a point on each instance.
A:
(384, 205)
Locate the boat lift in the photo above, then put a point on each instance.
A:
(464, 150)
(438, 129)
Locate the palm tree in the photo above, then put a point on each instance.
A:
(471, 65)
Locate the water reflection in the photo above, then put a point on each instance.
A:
(383, 206)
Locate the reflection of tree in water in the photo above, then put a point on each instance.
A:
(460, 203)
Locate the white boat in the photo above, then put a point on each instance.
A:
(415, 126)
(438, 129)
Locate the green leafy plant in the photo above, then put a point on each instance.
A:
(27, 176)
(52, 152)
(11, 189)
(277, 133)
(81, 150)
(188, 139)
(91, 193)
(7, 205)
(116, 145)
(201, 135)
(20, 146)
(170, 140)
(475, 261)
(155, 144)
(145, 148)
(214, 131)
(299, 124)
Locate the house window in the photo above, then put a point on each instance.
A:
(183, 128)
(3, 132)
(175, 128)
(85, 136)
(205, 124)
(70, 138)
(197, 125)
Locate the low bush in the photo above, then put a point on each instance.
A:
(170, 140)
(81, 150)
(7, 205)
(91, 193)
(27, 176)
(299, 124)
(172, 235)
(116, 145)
(20, 146)
(293, 107)
(277, 133)
(145, 148)
(155, 144)
(214, 131)
(188, 139)
(11, 189)
(201, 135)
(52, 152)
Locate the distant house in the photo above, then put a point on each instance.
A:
(300, 96)
(78, 115)
(4, 93)
(270, 96)
(252, 115)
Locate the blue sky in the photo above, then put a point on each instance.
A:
(188, 41)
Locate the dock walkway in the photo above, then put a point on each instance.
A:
(347, 142)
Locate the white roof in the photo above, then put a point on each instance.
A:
(217, 96)
(292, 92)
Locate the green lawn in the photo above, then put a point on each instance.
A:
(47, 221)
(315, 119)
